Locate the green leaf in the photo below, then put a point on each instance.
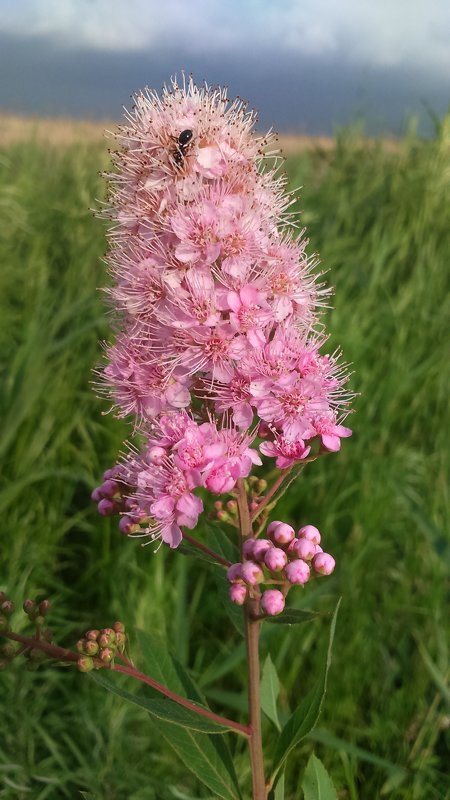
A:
(439, 679)
(188, 549)
(220, 542)
(208, 757)
(278, 793)
(317, 784)
(270, 689)
(292, 616)
(164, 709)
(327, 739)
(305, 717)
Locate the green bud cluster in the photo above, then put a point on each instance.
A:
(98, 648)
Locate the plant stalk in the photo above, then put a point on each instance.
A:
(252, 626)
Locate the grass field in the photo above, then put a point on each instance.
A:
(380, 222)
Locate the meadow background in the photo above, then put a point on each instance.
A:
(378, 216)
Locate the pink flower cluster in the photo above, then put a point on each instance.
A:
(180, 456)
(217, 305)
(284, 558)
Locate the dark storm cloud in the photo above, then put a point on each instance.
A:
(291, 91)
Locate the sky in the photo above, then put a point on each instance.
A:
(307, 66)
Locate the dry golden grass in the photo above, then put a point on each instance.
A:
(66, 131)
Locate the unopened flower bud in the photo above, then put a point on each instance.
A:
(323, 563)
(106, 655)
(260, 549)
(252, 573)
(261, 485)
(39, 620)
(4, 624)
(232, 506)
(107, 637)
(119, 627)
(309, 532)
(29, 607)
(109, 488)
(7, 608)
(80, 645)
(247, 547)
(272, 602)
(317, 549)
(218, 505)
(92, 635)
(121, 641)
(297, 571)
(105, 507)
(238, 593)
(90, 648)
(305, 549)
(234, 573)
(275, 559)
(222, 516)
(44, 607)
(85, 664)
(127, 525)
(108, 474)
(253, 505)
(8, 650)
(280, 532)
(96, 494)
(264, 430)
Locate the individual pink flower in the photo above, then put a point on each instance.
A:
(285, 451)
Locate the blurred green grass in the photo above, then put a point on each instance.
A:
(380, 223)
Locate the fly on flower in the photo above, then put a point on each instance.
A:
(182, 145)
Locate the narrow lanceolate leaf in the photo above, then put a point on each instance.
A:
(292, 616)
(270, 689)
(305, 717)
(208, 757)
(278, 793)
(317, 784)
(165, 710)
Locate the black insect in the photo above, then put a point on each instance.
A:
(182, 144)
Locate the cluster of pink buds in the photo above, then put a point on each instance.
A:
(284, 559)
(217, 309)
(98, 648)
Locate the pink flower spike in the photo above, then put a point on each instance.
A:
(309, 532)
(252, 573)
(297, 572)
(275, 559)
(323, 563)
(280, 532)
(272, 602)
(238, 593)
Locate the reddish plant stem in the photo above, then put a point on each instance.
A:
(252, 627)
(206, 550)
(62, 654)
(267, 498)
